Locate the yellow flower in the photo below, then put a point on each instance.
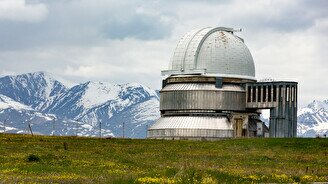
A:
(281, 178)
(310, 178)
(150, 180)
(7, 171)
(208, 180)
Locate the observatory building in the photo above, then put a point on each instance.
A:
(210, 92)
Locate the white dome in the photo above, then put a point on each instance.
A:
(212, 51)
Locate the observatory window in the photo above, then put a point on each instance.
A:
(287, 93)
(264, 94)
(280, 93)
(274, 93)
(258, 93)
(269, 93)
(218, 82)
(293, 93)
(249, 94)
(254, 93)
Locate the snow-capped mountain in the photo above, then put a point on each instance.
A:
(36, 90)
(19, 118)
(83, 109)
(313, 119)
(51, 107)
(8, 103)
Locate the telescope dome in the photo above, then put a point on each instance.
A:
(212, 51)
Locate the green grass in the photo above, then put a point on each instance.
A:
(28, 159)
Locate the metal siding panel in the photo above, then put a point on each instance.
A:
(198, 99)
(193, 122)
(201, 86)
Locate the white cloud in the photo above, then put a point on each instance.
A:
(136, 62)
(19, 10)
(132, 41)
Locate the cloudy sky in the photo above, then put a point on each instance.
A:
(132, 40)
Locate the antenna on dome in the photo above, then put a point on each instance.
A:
(231, 30)
(237, 30)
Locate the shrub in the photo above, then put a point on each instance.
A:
(33, 158)
(65, 146)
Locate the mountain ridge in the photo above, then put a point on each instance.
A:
(91, 104)
(313, 119)
(84, 109)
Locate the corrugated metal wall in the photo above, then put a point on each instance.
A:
(205, 99)
(172, 133)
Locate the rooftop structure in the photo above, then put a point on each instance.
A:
(212, 51)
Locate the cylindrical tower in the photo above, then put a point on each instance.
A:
(203, 94)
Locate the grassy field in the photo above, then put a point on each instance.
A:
(28, 159)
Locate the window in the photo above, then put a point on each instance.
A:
(264, 94)
(254, 93)
(259, 93)
(249, 94)
(269, 93)
(287, 93)
(274, 93)
(280, 93)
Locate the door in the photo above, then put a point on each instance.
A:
(238, 127)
